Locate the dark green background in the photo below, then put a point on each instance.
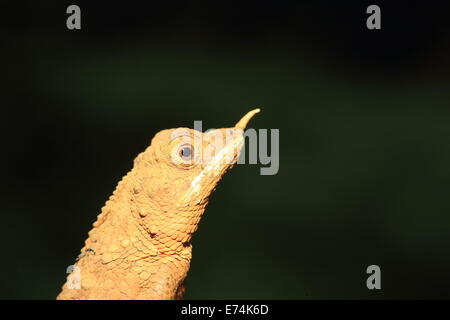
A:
(364, 140)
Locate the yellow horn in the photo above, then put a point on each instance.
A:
(242, 124)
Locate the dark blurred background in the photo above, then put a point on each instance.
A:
(364, 119)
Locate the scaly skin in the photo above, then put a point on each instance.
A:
(140, 245)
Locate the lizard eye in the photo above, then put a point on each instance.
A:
(185, 152)
(183, 155)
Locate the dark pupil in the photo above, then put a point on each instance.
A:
(185, 152)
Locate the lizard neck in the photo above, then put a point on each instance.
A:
(133, 251)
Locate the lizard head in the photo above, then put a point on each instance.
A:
(179, 171)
